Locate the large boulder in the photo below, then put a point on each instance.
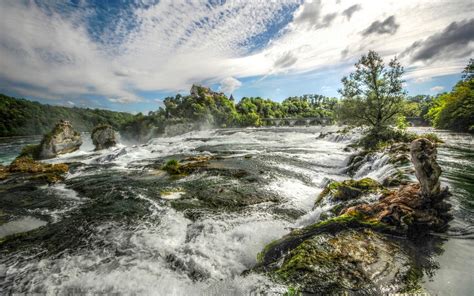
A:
(340, 256)
(104, 136)
(427, 170)
(62, 139)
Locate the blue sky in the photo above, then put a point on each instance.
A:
(129, 54)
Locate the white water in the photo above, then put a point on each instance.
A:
(21, 225)
(207, 256)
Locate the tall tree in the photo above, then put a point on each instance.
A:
(373, 95)
(468, 72)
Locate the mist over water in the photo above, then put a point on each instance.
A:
(120, 225)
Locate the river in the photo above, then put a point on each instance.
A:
(118, 224)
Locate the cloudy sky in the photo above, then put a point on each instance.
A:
(129, 54)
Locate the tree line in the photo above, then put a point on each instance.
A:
(20, 117)
(372, 96)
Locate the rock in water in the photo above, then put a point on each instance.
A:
(104, 136)
(62, 139)
(427, 170)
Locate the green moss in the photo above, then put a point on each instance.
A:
(412, 280)
(333, 225)
(173, 167)
(261, 255)
(49, 172)
(349, 189)
(302, 259)
(292, 291)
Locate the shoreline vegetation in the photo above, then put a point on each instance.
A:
(369, 224)
(204, 108)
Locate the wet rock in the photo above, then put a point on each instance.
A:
(423, 155)
(3, 172)
(62, 139)
(356, 161)
(357, 250)
(401, 158)
(347, 261)
(336, 256)
(104, 136)
(348, 190)
(28, 168)
(413, 208)
(186, 166)
(407, 210)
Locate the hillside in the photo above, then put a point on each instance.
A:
(20, 117)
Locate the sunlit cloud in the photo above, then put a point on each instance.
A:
(63, 51)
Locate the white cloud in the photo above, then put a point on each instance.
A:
(422, 80)
(437, 89)
(229, 84)
(176, 43)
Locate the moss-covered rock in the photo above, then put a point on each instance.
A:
(186, 166)
(173, 167)
(351, 252)
(349, 190)
(352, 220)
(351, 260)
(52, 173)
(62, 139)
(408, 210)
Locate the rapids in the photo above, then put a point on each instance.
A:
(120, 225)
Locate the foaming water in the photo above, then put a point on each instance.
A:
(21, 225)
(120, 225)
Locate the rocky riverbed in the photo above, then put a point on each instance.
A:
(127, 220)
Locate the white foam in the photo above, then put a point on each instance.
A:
(172, 195)
(21, 225)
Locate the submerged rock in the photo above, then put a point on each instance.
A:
(423, 155)
(104, 136)
(62, 139)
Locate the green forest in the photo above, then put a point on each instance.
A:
(450, 110)
(21, 117)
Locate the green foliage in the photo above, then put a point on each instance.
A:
(455, 110)
(292, 291)
(401, 122)
(20, 117)
(377, 140)
(173, 167)
(418, 106)
(208, 107)
(372, 95)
